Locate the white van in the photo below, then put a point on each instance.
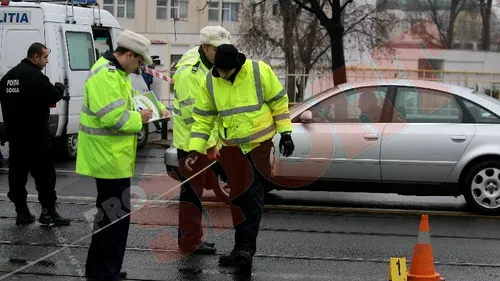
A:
(76, 37)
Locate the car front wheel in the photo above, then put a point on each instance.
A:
(482, 187)
(142, 137)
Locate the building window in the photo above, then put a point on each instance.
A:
(230, 11)
(161, 9)
(179, 9)
(213, 11)
(120, 8)
(109, 6)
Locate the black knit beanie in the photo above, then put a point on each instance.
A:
(226, 57)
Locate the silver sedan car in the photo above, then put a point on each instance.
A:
(408, 137)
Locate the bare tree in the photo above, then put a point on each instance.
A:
(262, 33)
(312, 45)
(443, 14)
(281, 27)
(485, 8)
(338, 21)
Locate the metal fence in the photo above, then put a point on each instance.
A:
(488, 82)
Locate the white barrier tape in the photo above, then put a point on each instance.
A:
(158, 74)
(85, 237)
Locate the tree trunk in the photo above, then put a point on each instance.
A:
(454, 10)
(338, 59)
(485, 32)
(338, 66)
(288, 22)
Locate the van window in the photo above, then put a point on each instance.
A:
(81, 51)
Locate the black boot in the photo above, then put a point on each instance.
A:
(25, 218)
(236, 257)
(53, 218)
(122, 274)
(24, 215)
(204, 248)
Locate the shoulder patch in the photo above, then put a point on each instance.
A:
(111, 66)
(195, 67)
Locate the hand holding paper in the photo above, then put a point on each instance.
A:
(148, 101)
(165, 113)
(146, 115)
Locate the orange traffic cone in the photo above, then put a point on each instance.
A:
(422, 261)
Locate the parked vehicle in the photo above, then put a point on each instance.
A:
(75, 35)
(404, 137)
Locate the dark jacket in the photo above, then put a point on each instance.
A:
(26, 95)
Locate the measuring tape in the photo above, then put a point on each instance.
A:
(158, 74)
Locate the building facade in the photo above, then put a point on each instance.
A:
(175, 22)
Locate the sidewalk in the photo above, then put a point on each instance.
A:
(154, 140)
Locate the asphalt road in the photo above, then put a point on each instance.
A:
(151, 177)
(304, 235)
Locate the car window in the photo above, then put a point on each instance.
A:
(351, 106)
(480, 114)
(417, 105)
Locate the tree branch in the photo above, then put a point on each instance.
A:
(361, 19)
(202, 9)
(309, 9)
(315, 60)
(345, 5)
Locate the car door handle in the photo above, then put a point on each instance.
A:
(458, 138)
(371, 136)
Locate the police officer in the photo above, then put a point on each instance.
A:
(191, 71)
(107, 144)
(252, 106)
(26, 95)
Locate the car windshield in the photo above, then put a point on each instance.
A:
(306, 101)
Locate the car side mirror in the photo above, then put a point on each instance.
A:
(306, 116)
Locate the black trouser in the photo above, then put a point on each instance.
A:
(248, 175)
(190, 209)
(35, 159)
(107, 249)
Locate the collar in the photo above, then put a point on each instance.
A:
(243, 59)
(109, 56)
(204, 59)
(30, 63)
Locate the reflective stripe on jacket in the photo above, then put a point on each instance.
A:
(250, 112)
(107, 138)
(188, 79)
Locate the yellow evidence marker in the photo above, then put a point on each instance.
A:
(397, 269)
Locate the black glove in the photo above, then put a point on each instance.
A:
(60, 87)
(286, 144)
(219, 171)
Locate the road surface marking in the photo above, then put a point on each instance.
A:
(291, 208)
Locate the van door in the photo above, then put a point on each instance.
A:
(79, 52)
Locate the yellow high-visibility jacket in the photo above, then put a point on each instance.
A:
(109, 123)
(188, 79)
(250, 112)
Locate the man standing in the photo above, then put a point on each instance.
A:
(252, 106)
(26, 95)
(107, 144)
(190, 74)
(148, 78)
